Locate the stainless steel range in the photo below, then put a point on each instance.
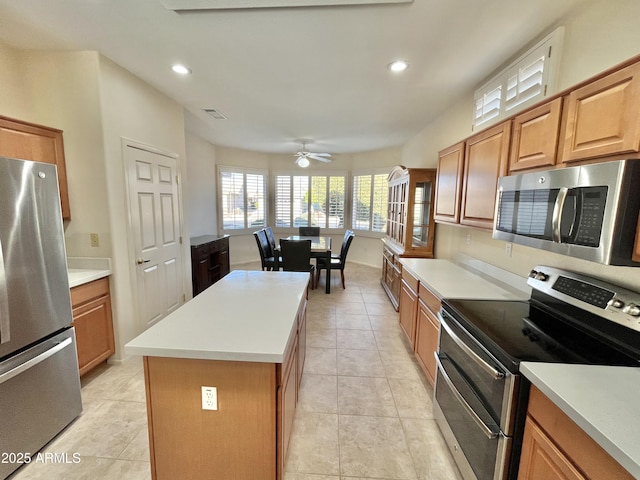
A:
(480, 396)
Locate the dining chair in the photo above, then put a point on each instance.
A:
(309, 231)
(296, 257)
(267, 259)
(271, 238)
(338, 262)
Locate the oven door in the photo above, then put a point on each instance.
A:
(492, 383)
(479, 448)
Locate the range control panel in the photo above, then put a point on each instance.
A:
(596, 296)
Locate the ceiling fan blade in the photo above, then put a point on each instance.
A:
(323, 154)
(321, 159)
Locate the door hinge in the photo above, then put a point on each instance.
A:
(184, 297)
(545, 91)
(549, 55)
(177, 180)
(180, 239)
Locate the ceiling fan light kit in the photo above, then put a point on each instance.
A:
(303, 157)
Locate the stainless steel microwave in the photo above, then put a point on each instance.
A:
(589, 211)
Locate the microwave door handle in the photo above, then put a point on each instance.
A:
(496, 374)
(4, 302)
(556, 218)
(488, 432)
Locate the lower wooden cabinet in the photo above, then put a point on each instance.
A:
(427, 331)
(409, 306)
(93, 323)
(555, 448)
(391, 275)
(209, 261)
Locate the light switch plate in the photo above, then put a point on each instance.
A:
(209, 398)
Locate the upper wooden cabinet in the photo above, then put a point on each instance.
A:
(449, 184)
(486, 156)
(28, 141)
(410, 226)
(534, 142)
(602, 117)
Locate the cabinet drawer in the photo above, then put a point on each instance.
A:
(200, 251)
(429, 298)
(88, 291)
(411, 281)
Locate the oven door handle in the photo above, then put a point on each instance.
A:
(495, 373)
(488, 432)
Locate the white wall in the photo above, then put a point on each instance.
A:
(598, 35)
(201, 196)
(134, 110)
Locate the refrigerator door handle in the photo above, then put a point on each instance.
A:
(23, 367)
(5, 335)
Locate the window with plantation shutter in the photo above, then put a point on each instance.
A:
(524, 82)
(310, 200)
(242, 197)
(369, 202)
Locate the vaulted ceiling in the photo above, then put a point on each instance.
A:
(284, 74)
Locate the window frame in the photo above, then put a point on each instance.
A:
(550, 47)
(371, 173)
(244, 171)
(327, 174)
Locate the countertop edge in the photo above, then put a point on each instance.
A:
(77, 278)
(204, 355)
(617, 453)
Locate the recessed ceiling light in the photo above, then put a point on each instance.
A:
(181, 69)
(398, 66)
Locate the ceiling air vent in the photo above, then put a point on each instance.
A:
(215, 113)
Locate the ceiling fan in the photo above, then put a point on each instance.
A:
(303, 156)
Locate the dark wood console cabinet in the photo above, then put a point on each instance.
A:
(209, 261)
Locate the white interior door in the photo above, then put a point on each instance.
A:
(156, 229)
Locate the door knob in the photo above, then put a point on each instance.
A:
(140, 261)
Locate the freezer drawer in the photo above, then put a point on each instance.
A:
(39, 396)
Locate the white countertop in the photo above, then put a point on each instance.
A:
(83, 270)
(603, 401)
(247, 316)
(450, 280)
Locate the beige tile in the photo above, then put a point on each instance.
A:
(384, 322)
(104, 431)
(359, 363)
(356, 339)
(303, 476)
(376, 297)
(138, 449)
(128, 470)
(320, 321)
(320, 360)
(394, 340)
(133, 390)
(318, 393)
(431, 457)
(374, 447)
(88, 468)
(398, 364)
(351, 309)
(365, 396)
(353, 322)
(314, 444)
(380, 308)
(413, 399)
(321, 338)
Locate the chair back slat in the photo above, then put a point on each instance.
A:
(296, 255)
(309, 231)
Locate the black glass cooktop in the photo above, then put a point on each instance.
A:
(516, 331)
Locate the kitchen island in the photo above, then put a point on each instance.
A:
(222, 375)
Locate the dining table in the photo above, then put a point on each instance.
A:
(320, 247)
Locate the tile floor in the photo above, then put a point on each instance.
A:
(364, 411)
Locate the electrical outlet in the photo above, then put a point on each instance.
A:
(469, 239)
(95, 240)
(507, 249)
(209, 398)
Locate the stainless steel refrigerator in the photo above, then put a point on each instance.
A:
(39, 380)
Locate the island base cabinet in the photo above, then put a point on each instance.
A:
(237, 441)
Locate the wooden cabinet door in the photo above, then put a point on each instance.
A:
(408, 311)
(541, 459)
(27, 141)
(427, 341)
(449, 184)
(534, 142)
(636, 249)
(602, 117)
(486, 156)
(287, 408)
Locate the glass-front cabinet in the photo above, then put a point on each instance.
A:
(410, 225)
